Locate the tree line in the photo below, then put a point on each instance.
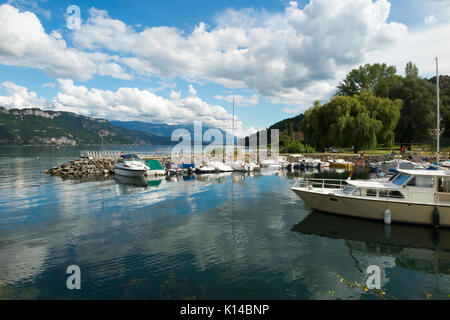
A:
(374, 106)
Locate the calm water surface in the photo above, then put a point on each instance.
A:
(222, 236)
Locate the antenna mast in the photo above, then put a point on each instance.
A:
(233, 116)
(438, 117)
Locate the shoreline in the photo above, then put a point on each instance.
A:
(104, 165)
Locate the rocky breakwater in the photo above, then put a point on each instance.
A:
(84, 167)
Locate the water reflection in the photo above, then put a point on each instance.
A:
(413, 247)
(217, 236)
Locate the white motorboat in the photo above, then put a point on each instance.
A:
(341, 164)
(324, 164)
(130, 165)
(220, 166)
(204, 169)
(313, 163)
(244, 167)
(411, 196)
(445, 163)
(397, 164)
(272, 164)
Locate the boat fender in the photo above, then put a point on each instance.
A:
(387, 216)
(436, 217)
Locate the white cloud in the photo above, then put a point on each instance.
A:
(175, 95)
(239, 100)
(280, 56)
(430, 19)
(293, 57)
(135, 104)
(420, 46)
(124, 104)
(19, 97)
(49, 85)
(24, 42)
(192, 90)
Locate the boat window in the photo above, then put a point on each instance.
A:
(390, 194)
(422, 181)
(371, 192)
(382, 193)
(393, 177)
(396, 194)
(412, 182)
(444, 184)
(348, 190)
(401, 179)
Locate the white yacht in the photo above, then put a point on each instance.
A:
(204, 169)
(411, 196)
(244, 167)
(270, 163)
(130, 165)
(220, 166)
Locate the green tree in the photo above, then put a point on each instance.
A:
(362, 120)
(376, 78)
(418, 114)
(411, 70)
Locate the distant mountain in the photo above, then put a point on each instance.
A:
(39, 127)
(288, 125)
(159, 129)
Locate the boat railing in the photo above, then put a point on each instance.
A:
(320, 183)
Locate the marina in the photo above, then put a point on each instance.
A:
(205, 236)
(234, 153)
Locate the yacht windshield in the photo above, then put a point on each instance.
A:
(130, 156)
(348, 189)
(401, 179)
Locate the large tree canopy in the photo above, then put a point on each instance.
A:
(362, 120)
(376, 78)
(418, 115)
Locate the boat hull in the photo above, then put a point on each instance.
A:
(403, 212)
(338, 165)
(130, 173)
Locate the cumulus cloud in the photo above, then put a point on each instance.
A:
(175, 95)
(430, 19)
(192, 90)
(280, 56)
(420, 46)
(291, 57)
(125, 104)
(49, 85)
(19, 97)
(240, 100)
(24, 42)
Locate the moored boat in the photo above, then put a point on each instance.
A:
(220, 166)
(272, 164)
(130, 165)
(411, 196)
(154, 168)
(341, 164)
(244, 167)
(204, 169)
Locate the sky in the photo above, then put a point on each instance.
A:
(176, 62)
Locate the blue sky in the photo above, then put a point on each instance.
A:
(180, 61)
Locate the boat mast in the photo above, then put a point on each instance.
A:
(233, 118)
(438, 117)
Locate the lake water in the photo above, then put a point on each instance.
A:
(222, 236)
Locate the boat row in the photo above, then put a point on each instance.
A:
(131, 165)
